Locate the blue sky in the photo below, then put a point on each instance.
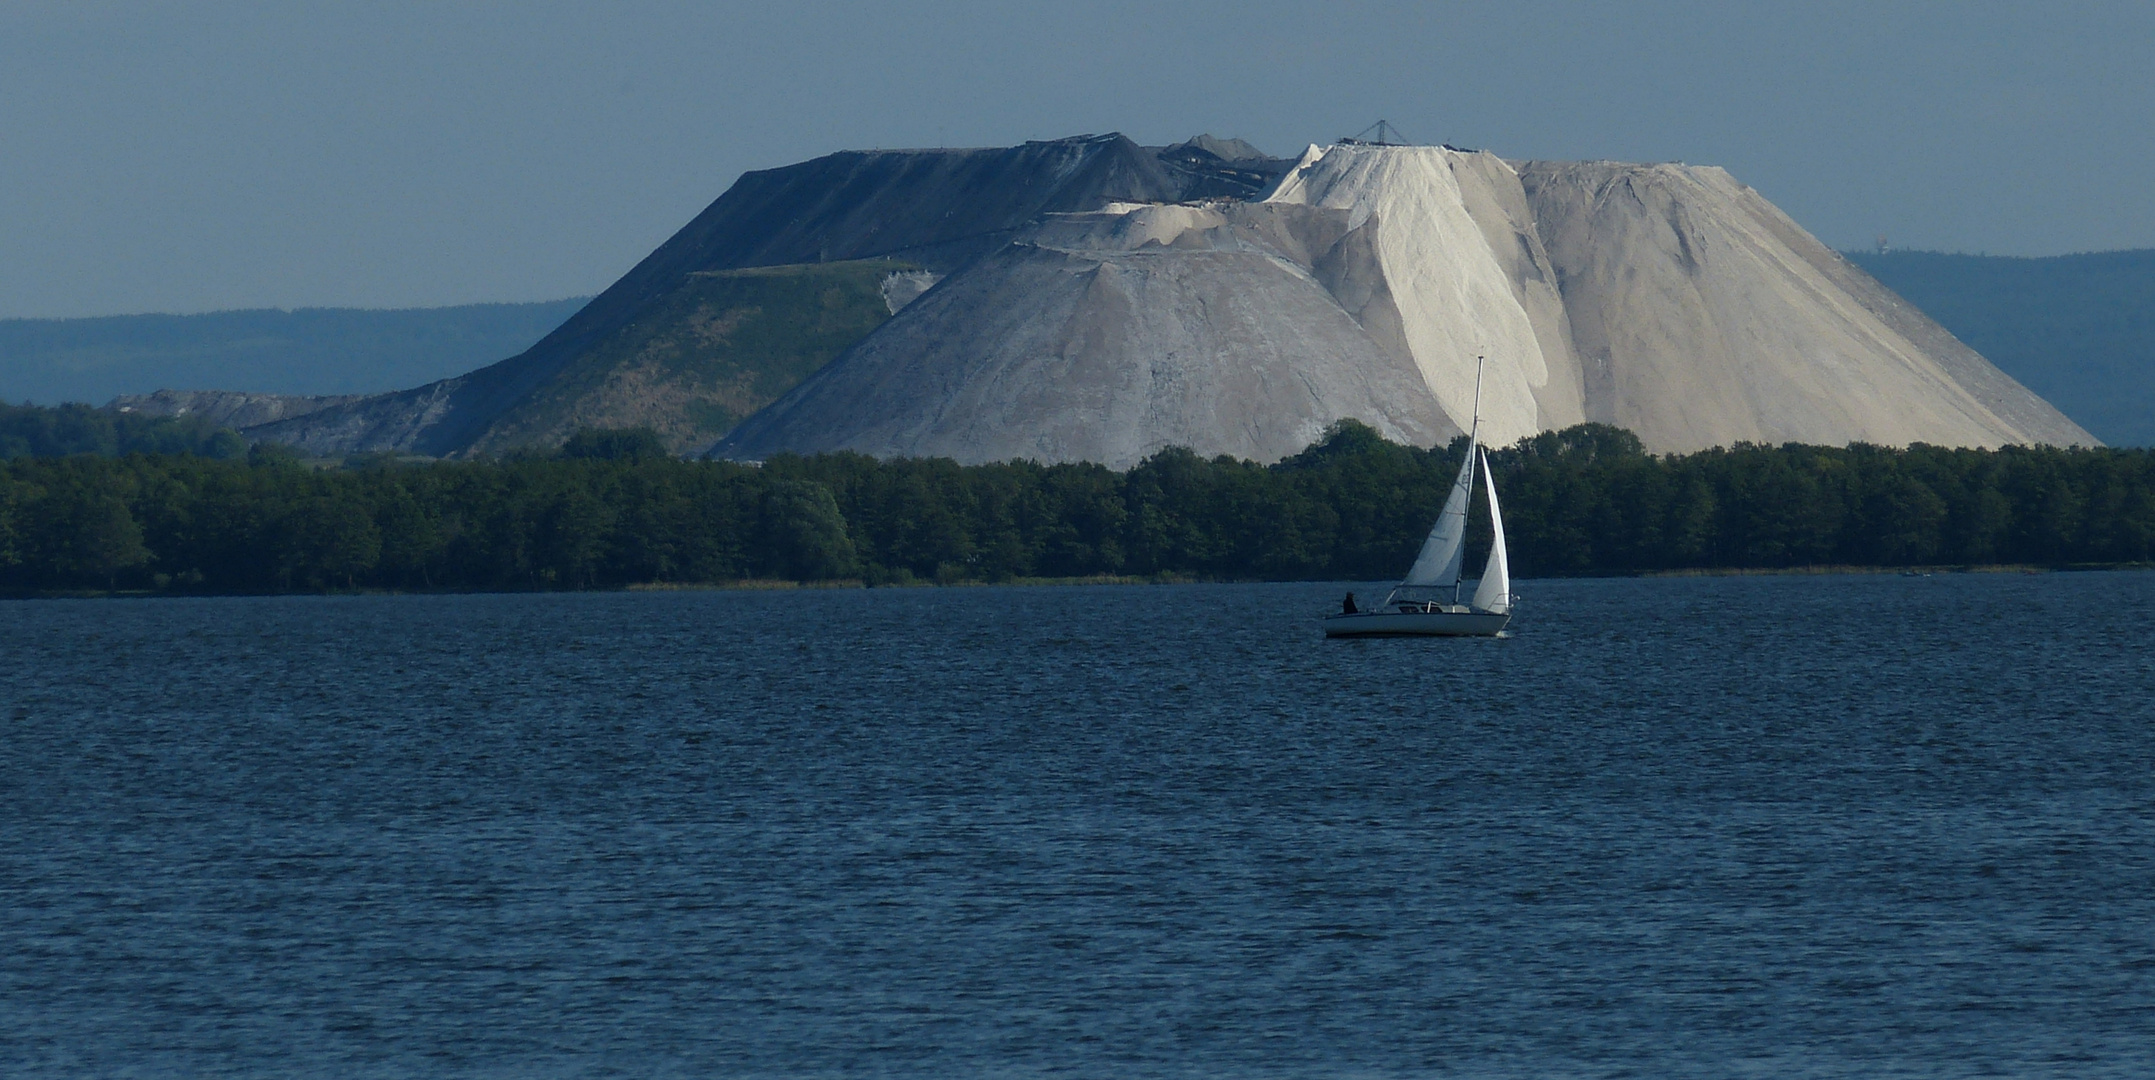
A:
(209, 155)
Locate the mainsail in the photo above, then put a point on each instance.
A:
(1494, 593)
(1438, 564)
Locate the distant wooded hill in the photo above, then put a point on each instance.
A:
(307, 351)
(2077, 329)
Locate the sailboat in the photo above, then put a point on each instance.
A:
(1418, 605)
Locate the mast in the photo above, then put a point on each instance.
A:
(1474, 440)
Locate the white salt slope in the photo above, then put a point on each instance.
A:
(1706, 317)
(1458, 256)
(1107, 337)
(1667, 299)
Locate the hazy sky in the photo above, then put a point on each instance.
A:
(206, 155)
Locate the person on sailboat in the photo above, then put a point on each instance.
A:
(1346, 607)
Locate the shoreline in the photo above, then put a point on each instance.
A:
(780, 585)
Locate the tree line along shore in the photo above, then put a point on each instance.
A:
(613, 510)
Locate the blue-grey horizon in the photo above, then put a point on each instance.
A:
(221, 155)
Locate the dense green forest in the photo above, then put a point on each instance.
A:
(613, 509)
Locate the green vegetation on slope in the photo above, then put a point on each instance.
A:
(32, 431)
(308, 351)
(2077, 329)
(721, 346)
(1584, 500)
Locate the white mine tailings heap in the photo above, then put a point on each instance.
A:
(1106, 336)
(1667, 299)
(1090, 299)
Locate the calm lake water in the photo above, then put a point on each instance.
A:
(1776, 827)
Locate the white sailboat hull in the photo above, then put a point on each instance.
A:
(1436, 623)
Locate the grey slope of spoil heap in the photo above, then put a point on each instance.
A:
(939, 209)
(228, 408)
(1106, 337)
(1703, 316)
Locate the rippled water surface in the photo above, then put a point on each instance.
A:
(1871, 826)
